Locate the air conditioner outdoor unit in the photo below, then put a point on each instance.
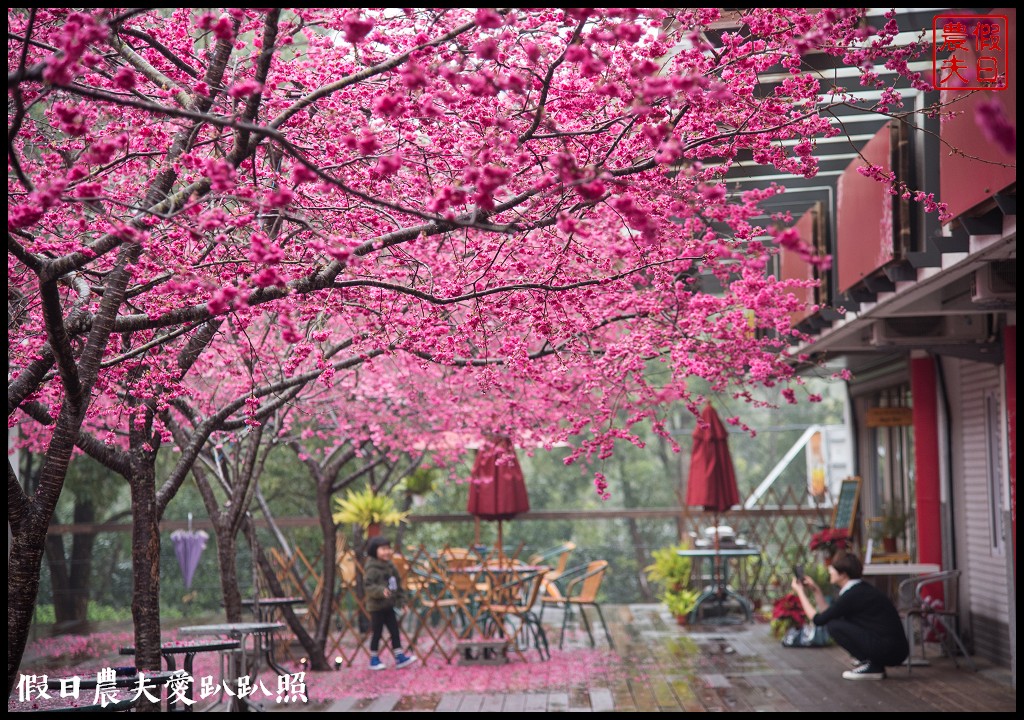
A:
(930, 330)
(995, 285)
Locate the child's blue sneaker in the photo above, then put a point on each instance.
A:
(402, 660)
(377, 664)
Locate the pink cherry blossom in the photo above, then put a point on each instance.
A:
(501, 233)
(991, 119)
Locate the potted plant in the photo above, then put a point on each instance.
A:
(829, 540)
(680, 603)
(369, 510)
(787, 615)
(420, 483)
(671, 572)
(892, 525)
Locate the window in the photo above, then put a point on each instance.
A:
(993, 469)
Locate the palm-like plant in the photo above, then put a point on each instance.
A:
(420, 481)
(366, 508)
(671, 571)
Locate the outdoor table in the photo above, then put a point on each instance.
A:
(495, 569)
(264, 608)
(893, 569)
(497, 583)
(890, 571)
(239, 632)
(159, 678)
(722, 591)
(498, 566)
(189, 649)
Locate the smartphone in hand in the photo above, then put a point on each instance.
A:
(798, 570)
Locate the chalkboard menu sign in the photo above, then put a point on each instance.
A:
(845, 513)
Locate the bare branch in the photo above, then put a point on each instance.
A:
(162, 49)
(181, 95)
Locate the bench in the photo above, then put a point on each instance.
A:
(482, 652)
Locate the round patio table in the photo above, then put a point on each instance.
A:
(188, 648)
(720, 589)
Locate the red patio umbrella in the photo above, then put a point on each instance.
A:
(712, 485)
(712, 482)
(498, 489)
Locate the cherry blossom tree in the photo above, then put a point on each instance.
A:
(524, 198)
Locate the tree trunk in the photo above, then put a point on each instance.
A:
(145, 566)
(330, 567)
(639, 544)
(60, 583)
(81, 559)
(28, 524)
(227, 549)
(315, 650)
(23, 564)
(71, 584)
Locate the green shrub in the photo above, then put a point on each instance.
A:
(669, 570)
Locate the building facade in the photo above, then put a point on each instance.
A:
(922, 312)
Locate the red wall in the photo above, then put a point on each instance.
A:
(923, 387)
(864, 216)
(967, 181)
(793, 267)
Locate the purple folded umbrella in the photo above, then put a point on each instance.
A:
(188, 546)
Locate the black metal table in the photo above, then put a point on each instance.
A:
(720, 590)
(188, 648)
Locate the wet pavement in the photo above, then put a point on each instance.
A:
(664, 667)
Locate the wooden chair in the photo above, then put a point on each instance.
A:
(560, 554)
(448, 590)
(348, 571)
(582, 585)
(508, 610)
(409, 580)
(500, 557)
(454, 553)
(553, 591)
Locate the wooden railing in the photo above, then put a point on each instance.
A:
(433, 621)
(443, 608)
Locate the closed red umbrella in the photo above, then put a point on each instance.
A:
(498, 489)
(712, 481)
(712, 485)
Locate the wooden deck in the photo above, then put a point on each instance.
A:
(727, 668)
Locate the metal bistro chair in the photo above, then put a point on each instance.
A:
(935, 614)
(448, 590)
(582, 585)
(562, 552)
(508, 610)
